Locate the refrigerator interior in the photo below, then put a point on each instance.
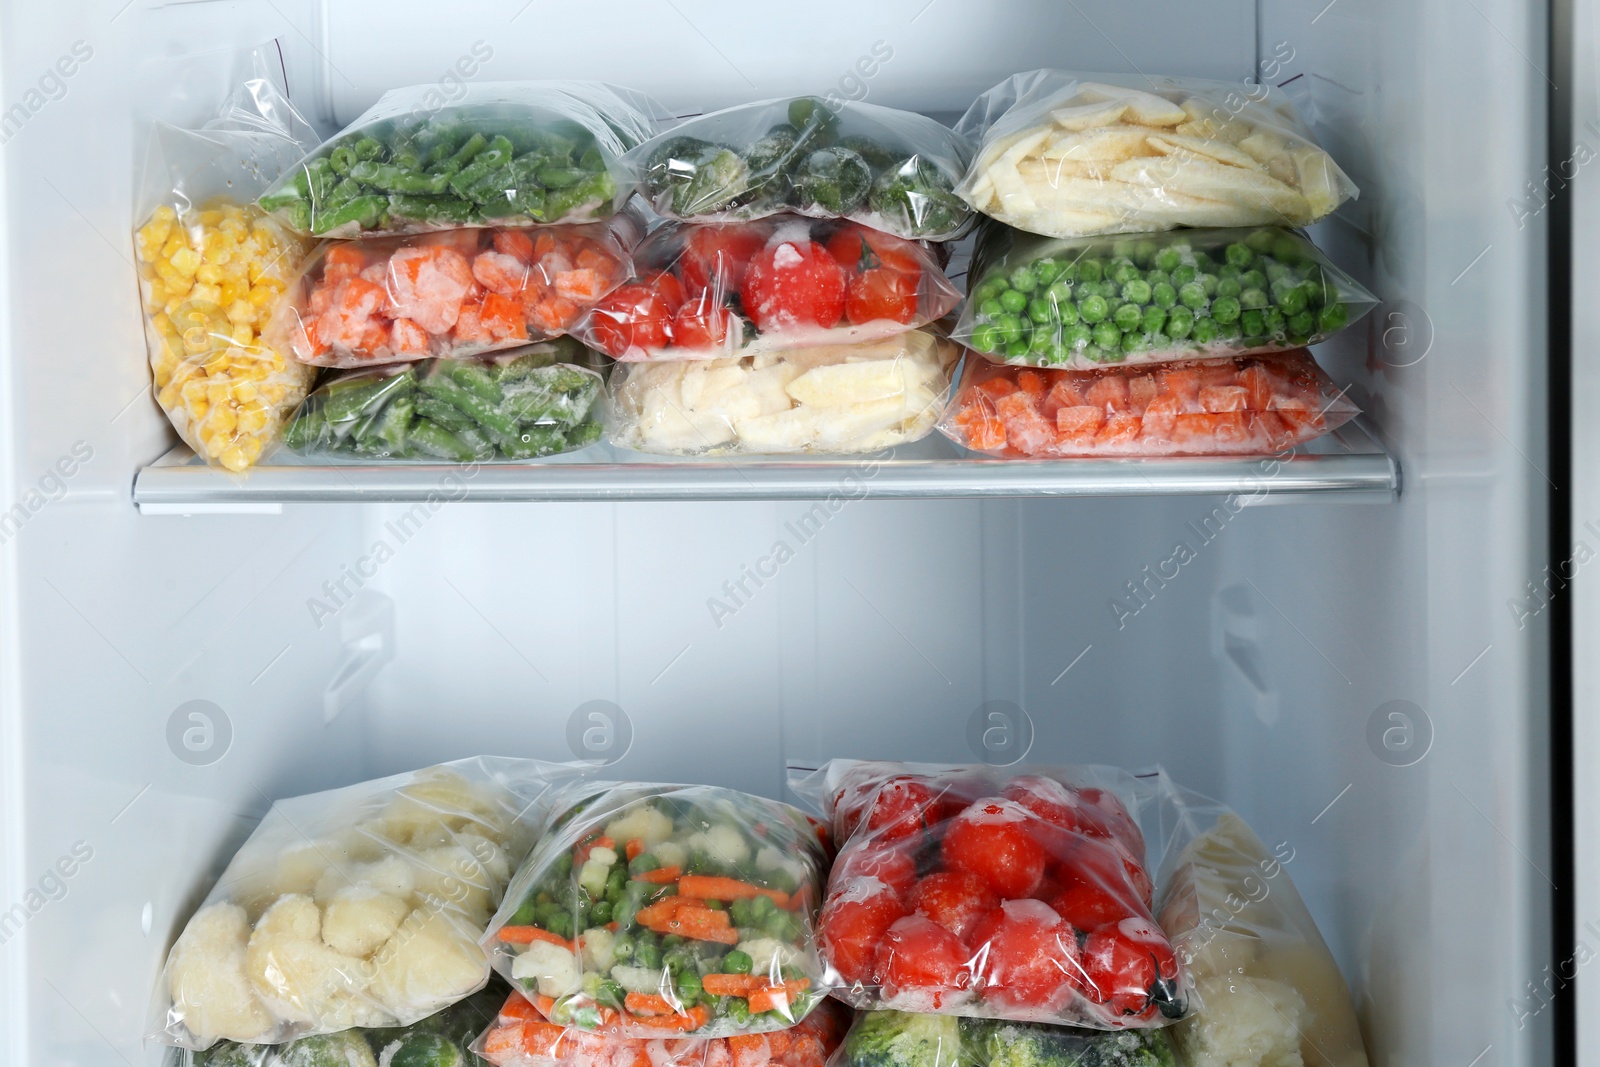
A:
(1263, 674)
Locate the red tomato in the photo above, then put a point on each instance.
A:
(792, 284)
(634, 316)
(1044, 797)
(955, 900)
(902, 807)
(881, 293)
(1087, 906)
(1130, 968)
(990, 839)
(670, 288)
(890, 865)
(714, 257)
(921, 959)
(700, 322)
(1114, 820)
(853, 924)
(861, 248)
(1029, 957)
(1104, 865)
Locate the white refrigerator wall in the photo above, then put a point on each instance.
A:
(886, 629)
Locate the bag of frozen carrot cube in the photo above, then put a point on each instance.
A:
(664, 911)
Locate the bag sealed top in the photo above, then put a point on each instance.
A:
(1070, 155)
(971, 891)
(507, 154)
(891, 170)
(360, 906)
(661, 910)
(1084, 302)
(720, 290)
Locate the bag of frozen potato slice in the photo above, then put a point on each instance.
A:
(1074, 155)
(359, 906)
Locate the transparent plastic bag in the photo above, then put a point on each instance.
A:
(1073, 155)
(443, 1039)
(450, 294)
(506, 154)
(1245, 406)
(523, 1037)
(977, 891)
(734, 879)
(212, 268)
(889, 1038)
(518, 405)
(719, 290)
(825, 398)
(888, 169)
(1081, 303)
(360, 906)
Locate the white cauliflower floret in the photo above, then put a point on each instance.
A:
(453, 877)
(645, 822)
(638, 979)
(293, 972)
(768, 955)
(430, 962)
(490, 856)
(551, 966)
(670, 854)
(724, 842)
(394, 875)
(598, 949)
(1247, 1022)
(358, 919)
(772, 859)
(206, 978)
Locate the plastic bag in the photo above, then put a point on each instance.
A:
(507, 154)
(524, 404)
(211, 269)
(888, 169)
(718, 290)
(1246, 406)
(732, 880)
(1088, 301)
(1272, 991)
(889, 1038)
(826, 398)
(443, 1039)
(451, 294)
(523, 1037)
(969, 890)
(1072, 155)
(360, 906)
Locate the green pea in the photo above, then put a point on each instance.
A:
(1332, 318)
(1163, 295)
(1013, 300)
(1154, 320)
(1185, 274)
(1068, 273)
(1135, 342)
(1010, 328)
(1205, 330)
(1068, 311)
(1229, 331)
(1228, 270)
(1160, 342)
(1261, 240)
(737, 962)
(1122, 248)
(1046, 271)
(1090, 269)
(1209, 283)
(1239, 255)
(1286, 249)
(1041, 341)
(990, 309)
(1093, 353)
(1042, 310)
(1180, 322)
(1252, 323)
(1253, 298)
(1229, 287)
(1291, 300)
(1253, 279)
(1060, 291)
(1168, 259)
(1136, 291)
(1016, 349)
(1277, 272)
(1128, 317)
(1107, 336)
(1144, 252)
(1023, 280)
(1225, 309)
(1193, 295)
(1093, 309)
(986, 338)
(989, 290)
(1059, 355)
(1124, 272)
(1317, 292)
(1158, 277)
(1076, 336)
(1206, 264)
(1272, 322)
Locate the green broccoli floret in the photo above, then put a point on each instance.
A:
(904, 1039)
(994, 1043)
(719, 178)
(673, 163)
(875, 152)
(835, 180)
(347, 1048)
(769, 154)
(814, 123)
(424, 1050)
(919, 198)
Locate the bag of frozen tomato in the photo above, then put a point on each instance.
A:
(720, 290)
(892, 170)
(660, 910)
(1191, 294)
(450, 294)
(970, 890)
(524, 1036)
(1246, 406)
(504, 154)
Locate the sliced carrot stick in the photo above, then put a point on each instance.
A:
(527, 935)
(633, 848)
(649, 1004)
(729, 985)
(714, 888)
(693, 1019)
(658, 914)
(541, 1038)
(545, 1004)
(660, 876)
(517, 1007)
(777, 996)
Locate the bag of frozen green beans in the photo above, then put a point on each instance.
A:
(524, 404)
(504, 154)
(1085, 302)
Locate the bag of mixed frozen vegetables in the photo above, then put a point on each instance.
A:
(522, 1036)
(443, 1039)
(1072, 155)
(360, 906)
(662, 910)
(517, 405)
(1083, 302)
(1273, 993)
(718, 290)
(970, 890)
(825, 398)
(889, 1038)
(211, 269)
(888, 169)
(506, 154)
(1245, 406)
(450, 294)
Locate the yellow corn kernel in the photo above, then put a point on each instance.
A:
(175, 243)
(159, 293)
(243, 391)
(223, 419)
(273, 392)
(216, 392)
(211, 294)
(261, 297)
(210, 218)
(186, 261)
(169, 396)
(252, 421)
(243, 334)
(208, 273)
